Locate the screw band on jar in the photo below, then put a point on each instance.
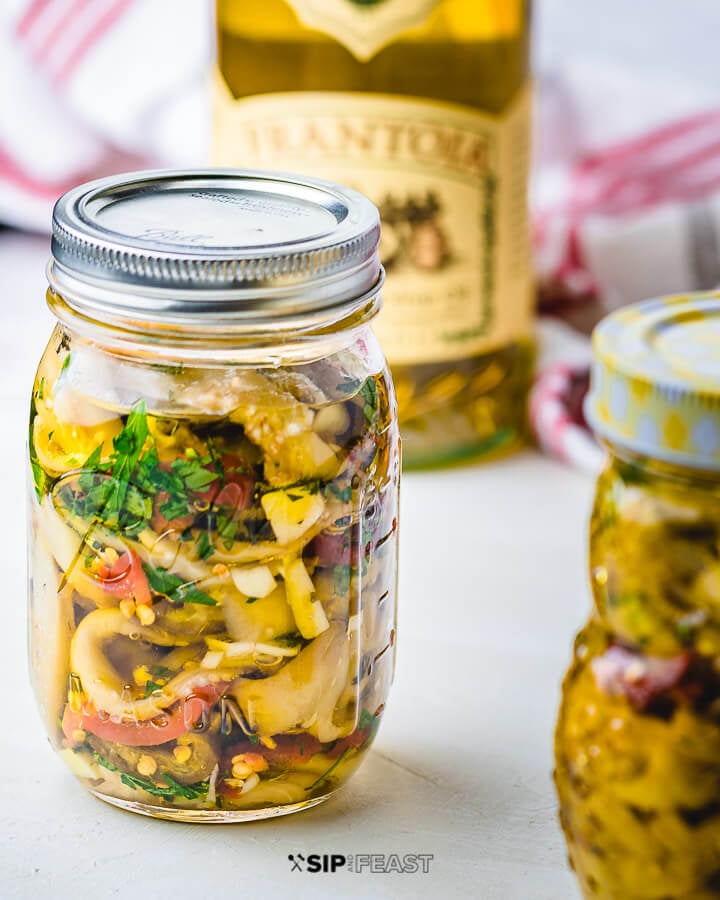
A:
(310, 257)
(654, 387)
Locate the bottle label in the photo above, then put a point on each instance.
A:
(451, 185)
(363, 26)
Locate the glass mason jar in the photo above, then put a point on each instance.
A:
(424, 105)
(638, 736)
(215, 463)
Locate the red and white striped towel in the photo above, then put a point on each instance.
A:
(89, 87)
(626, 201)
(59, 35)
(626, 193)
(674, 168)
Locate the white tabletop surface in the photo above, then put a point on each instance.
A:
(492, 590)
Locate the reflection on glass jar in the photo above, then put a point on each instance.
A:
(638, 737)
(215, 464)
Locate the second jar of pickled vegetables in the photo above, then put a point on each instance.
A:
(424, 105)
(215, 461)
(638, 737)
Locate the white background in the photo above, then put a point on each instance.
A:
(667, 38)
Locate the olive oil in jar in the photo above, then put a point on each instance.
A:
(424, 106)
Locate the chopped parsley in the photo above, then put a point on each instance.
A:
(192, 472)
(189, 791)
(311, 486)
(341, 579)
(39, 478)
(227, 528)
(369, 393)
(175, 588)
(349, 386)
(101, 760)
(106, 493)
(367, 390)
(160, 671)
(370, 723)
(151, 687)
(119, 492)
(632, 473)
(171, 790)
(329, 772)
(287, 640)
(685, 632)
(204, 546)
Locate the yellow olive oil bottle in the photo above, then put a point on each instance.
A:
(423, 105)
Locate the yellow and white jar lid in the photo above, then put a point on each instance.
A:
(656, 380)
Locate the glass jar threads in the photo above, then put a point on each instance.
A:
(215, 464)
(638, 737)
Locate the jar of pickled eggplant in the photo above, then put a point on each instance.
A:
(215, 462)
(638, 736)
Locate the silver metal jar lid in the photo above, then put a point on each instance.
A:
(222, 244)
